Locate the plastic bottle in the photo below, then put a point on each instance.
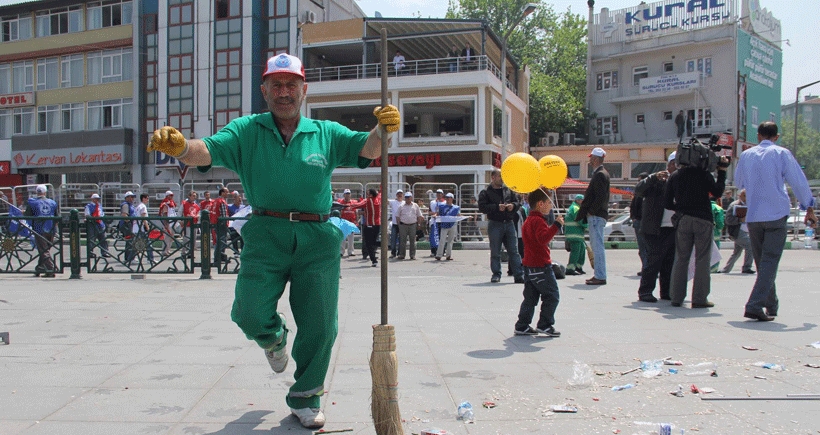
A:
(705, 368)
(770, 366)
(465, 412)
(622, 387)
(809, 239)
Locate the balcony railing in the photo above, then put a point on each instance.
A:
(447, 65)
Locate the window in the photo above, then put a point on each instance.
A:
(701, 118)
(59, 21)
(109, 66)
(16, 28)
(109, 113)
(497, 122)
(703, 65)
(72, 117)
(667, 116)
(607, 80)
(431, 118)
(108, 13)
(71, 74)
(22, 79)
(639, 118)
(574, 170)
(5, 78)
(278, 27)
(755, 116)
(228, 87)
(228, 9)
(47, 73)
(183, 122)
(23, 120)
(649, 168)
(6, 124)
(638, 73)
(606, 126)
(47, 119)
(772, 117)
(181, 69)
(615, 170)
(181, 13)
(668, 67)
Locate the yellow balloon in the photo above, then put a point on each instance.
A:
(553, 171)
(520, 172)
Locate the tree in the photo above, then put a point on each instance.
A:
(808, 145)
(554, 47)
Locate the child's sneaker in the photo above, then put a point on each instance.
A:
(311, 418)
(549, 332)
(528, 331)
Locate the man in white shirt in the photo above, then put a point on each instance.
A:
(408, 217)
(398, 63)
(141, 210)
(394, 229)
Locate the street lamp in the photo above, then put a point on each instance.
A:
(528, 9)
(796, 101)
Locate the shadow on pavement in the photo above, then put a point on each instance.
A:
(248, 422)
(755, 325)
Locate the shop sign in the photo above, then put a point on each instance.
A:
(664, 17)
(16, 100)
(763, 23)
(86, 156)
(5, 167)
(428, 160)
(669, 83)
(165, 161)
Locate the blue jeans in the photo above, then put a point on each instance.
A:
(539, 283)
(767, 240)
(596, 241)
(504, 232)
(394, 239)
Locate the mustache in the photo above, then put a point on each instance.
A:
(284, 100)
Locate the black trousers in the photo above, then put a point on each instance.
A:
(660, 257)
(369, 236)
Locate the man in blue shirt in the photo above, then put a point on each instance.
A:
(763, 171)
(41, 206)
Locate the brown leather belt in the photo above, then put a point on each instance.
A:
(294, 216)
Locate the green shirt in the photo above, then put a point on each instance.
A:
(292, 177)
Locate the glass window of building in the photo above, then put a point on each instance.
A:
(22, 76)
(48, 73)
(574, 170)
(109, 114)
(47, 119)
(668, 67)
(23, 120)
(648, 167)
(16, 28)
(108, 13)
(440, 120)
(278, 27)
(109, 66)
(72, 118)
(59, 21)
(181, 44)
(71, 71)
(6, 124)
(703, 65)
(615, 170)
(638, 73)
(606, 80)
(228, 9)
(5, 78)
(606, 125)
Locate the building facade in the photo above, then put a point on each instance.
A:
(697, 67)
(808, 110)
(67, 87)
(450, 105)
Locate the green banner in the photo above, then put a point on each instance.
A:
(761, 64)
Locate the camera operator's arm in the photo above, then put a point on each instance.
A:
(716, 188)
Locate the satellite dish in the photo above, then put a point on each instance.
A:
(378, 14)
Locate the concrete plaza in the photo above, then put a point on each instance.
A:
(111, 355)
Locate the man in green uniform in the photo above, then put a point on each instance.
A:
(574, 233)
(285, 162)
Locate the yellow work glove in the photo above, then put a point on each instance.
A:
(169, 141)
(389, 117)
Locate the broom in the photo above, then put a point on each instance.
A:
(383, 363)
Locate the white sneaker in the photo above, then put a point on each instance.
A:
(311, 418)
(278, 359)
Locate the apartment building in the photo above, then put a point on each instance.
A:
(712, 66)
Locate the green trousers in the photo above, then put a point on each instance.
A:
(306, 254)
(577, 253)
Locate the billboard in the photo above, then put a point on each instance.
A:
(760, 64)
(660, 18)
(669, 83)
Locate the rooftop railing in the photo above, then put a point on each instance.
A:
(447, 65)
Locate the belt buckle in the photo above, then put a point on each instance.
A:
(291, 214)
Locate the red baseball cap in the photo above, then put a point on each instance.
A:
(285, 64)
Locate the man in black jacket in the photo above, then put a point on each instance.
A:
(687, 193)
(635, 212)
(595, 210)
(501, 205)
(658, 233)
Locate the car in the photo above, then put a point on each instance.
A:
(619, 229)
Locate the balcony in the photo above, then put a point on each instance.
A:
(422, 67)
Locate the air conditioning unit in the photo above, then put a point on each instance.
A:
(550, 140)
(310, 17)
(569, 138)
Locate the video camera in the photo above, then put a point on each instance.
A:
(697, 154)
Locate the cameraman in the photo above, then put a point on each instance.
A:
(687, 193)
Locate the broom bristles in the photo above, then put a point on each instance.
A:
(384, 372)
